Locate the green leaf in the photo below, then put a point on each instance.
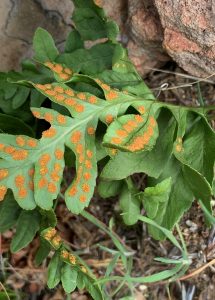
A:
(129, 204)
(42, 252)
(73, 42)
(180, 197)
(20, 97)
(108, 189)
(155, 201)
(9, 212)
(54, 270)
(44, 46)
(49, 218)
(27, 226)
(121, 62)
(89, 24)
(93, 288)
(69, 278)
(152, 163)
(155, 197)
(13, 125)
(132, 133)
(80, 281)
(196, 152)
(83, 60)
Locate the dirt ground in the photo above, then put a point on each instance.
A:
(29, 282)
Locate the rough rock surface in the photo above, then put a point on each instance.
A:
(189, 33)
(152, 30)
(145, 35)
(19, 20)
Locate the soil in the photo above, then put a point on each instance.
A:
(29, 281)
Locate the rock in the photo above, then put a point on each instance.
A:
(189, 33)
(145, 36)
(20, 19)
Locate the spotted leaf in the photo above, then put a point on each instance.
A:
(132, 133)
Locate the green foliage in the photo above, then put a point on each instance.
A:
(90, 110)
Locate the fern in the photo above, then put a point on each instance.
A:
(95, 106)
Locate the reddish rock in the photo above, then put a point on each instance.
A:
(189, 33)
(145, 36)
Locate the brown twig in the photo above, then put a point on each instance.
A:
(197, 271)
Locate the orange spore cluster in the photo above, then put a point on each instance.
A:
(22, 192)
(50, 92)
(138, 118)
(79, 108)
(88, 164)
(79, 148)
(59, 98)
(64, 76)
(70, 102)
(92, 99)
(121, 133)
(85, 188)
(44, 171)
(87, 176)
(89, 153)
(50, 234)
(48, 117)
(113, 151)
(73, 191)
(81, 158)
(76, 136)
(19, 181)
(51, 132)
(20, 154)
(59, 89)
(20, 141)
(116, 140)
(90, 130)
(9, 149)
(3, 191)
(64, 254)
(82, 198)
(141, 141)
(141, 109)
(31, 185)
(179, 146)
(69, 92)
(42, 183)
(32, 143)
(36, 114)
(72, 259)
(81, 96)
(98, 3)
(105, 87)
(59, 154)
(109, 119)
(44, 159)
(52, 187)
(61, 119)
(57, 167)
(56, 241)
(3, 173)
(112, 95)
(55, 176)
(63, 73)
(31, 172)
